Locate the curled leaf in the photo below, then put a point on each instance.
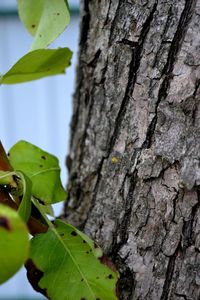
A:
(37, 64)
(42, 168)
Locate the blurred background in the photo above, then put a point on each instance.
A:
(38, 111)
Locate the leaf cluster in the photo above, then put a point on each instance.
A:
(62, 262)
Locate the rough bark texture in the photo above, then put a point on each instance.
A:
(135, 158)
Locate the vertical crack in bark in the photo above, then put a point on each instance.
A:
(85, 23)
(168, 68)
(113, 24)
(167, 24)
(179, 35)
(84, 136)
(122, 227)
(134, 66)
(187, 232)
(169, 274)
(135, 63)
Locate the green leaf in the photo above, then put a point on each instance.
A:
(42, 168)
(38, 64)
(14, 242)
(44, 19)
(24, 209)
(71, 270)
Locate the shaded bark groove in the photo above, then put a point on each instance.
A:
(134, 153)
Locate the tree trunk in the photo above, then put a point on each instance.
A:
(134, 158)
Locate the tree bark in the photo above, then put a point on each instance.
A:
(134, 159)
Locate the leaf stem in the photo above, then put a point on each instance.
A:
(34, 225)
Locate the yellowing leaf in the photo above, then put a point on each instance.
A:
(38, 64)
(42, 168)
(44, 19)
(14, 242)
(71, 270)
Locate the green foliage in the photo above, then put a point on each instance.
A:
(14, 243)
(44, 19)
(68, 259)
(42, 168)
(37, 64)
(70, 262)
(71, 270)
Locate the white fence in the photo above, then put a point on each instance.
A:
(38, 112)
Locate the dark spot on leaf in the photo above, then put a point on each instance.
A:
(58, 14)
(40, 35)
(4, 222)
(87, 252)
(41, 166)
(33, 25)
(90, 250)
(97, 277)
(81, 279)
(84, 242)
(62, 234)
(110, 276)
(74, 233)
(8, 153)
(43, 157)
(98, 299)
(83, 299)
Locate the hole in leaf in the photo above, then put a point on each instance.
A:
(4, 222)
(84, 242)
(73, 233)
(43, 157)
(110, 276)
